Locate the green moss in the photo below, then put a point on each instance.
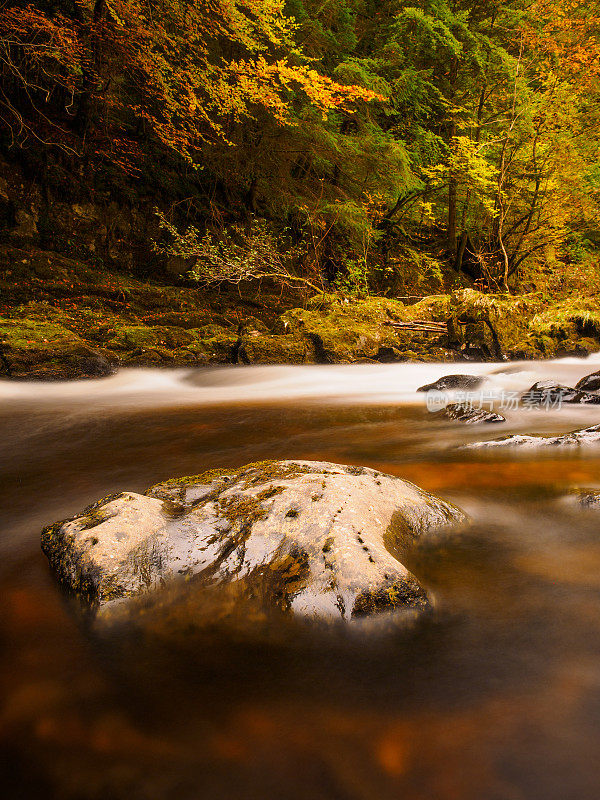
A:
(571, 317)
(406, 593)
(215, 349)
(245, 477)
(252, 325)
(272, 350)
(139, 337)
(53, 304)
(348, 331)
(211, 331)
(29, 334)
(435, 307)
(241, 510)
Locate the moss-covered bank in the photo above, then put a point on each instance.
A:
(61, 319)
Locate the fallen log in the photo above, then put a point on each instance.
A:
(418, 325)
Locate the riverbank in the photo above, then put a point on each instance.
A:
(61, 318)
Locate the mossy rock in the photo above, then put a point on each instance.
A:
(177, 319)
(525, 349)
(138, 337)
(211, 330)
(30, 334)
(343, 334)
(316, 540)
(272, 350)
(47, 351)
(577, 346)
(251, 325)
(436, 308)
(358, 330)
(217, 349)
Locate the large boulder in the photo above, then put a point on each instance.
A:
(317, 539)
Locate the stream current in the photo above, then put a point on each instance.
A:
(495, 696)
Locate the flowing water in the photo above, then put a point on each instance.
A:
(494, 696)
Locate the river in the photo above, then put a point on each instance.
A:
(496, 696)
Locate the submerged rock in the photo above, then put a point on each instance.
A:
(582, 438)
(550, 393)
(587, 499)
(314, 538)
(579, 499)
(469, 382)
(589, 383)
(465, 413)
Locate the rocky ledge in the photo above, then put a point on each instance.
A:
(319, 540)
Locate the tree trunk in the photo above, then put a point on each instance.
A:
(461, 250)
(251, 196)
(452, 193)
(84, 108)
(452, 182)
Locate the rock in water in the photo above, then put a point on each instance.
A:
(582, 438)
(550, 393)
(467, 382)
(465, 413)
(580, 499)
(588, 499)
(590, 383)
(311, 537)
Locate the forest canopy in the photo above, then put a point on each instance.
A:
(374, 133)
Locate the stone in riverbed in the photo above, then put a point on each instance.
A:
(583, 438)
(550, 393)
(580, 499)
(312, 538)
(452, 382)
(465, 413)
(589, 383)
(588, 499)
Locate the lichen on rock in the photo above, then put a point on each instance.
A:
(318, 540)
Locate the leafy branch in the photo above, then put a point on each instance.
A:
(239, 254)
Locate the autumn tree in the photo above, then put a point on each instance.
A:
(367, 132)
